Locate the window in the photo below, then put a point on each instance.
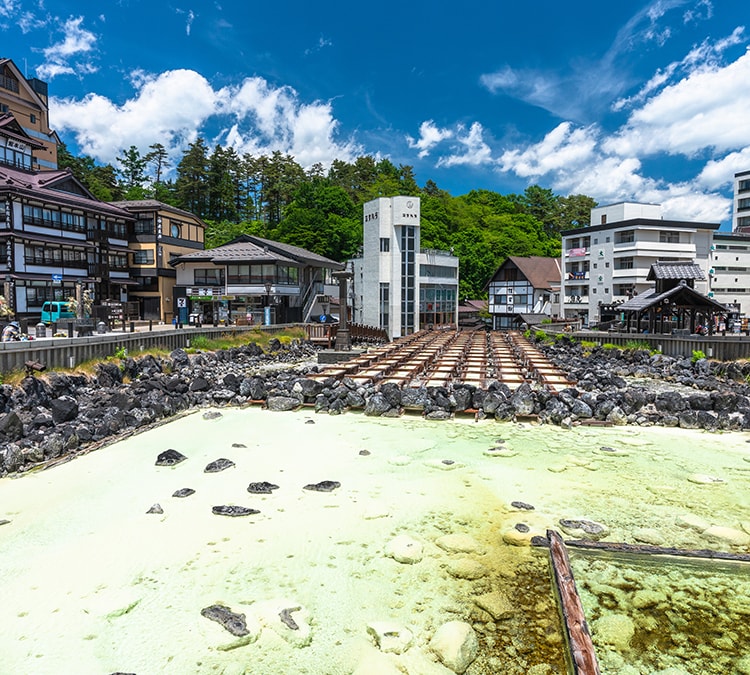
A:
(144, 225)
(606, 241)
(520, 299)
(603, 221)
(626, 237)
(385, 245)
(624, 264)
(175, 230)
(32, 118)
(606, 264)
(501, 299)
(384, 305)
(145, 257)
(743, 185)
(212, 276)
(743, 204)
(666, 237)
(595, 265)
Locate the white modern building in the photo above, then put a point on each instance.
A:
(741, 212)
(608, 262)
(397, 285)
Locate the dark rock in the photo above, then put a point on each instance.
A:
(199, 384)
(521, 527)
(183, 492)
(218, 465)
(11, 427)
(156, 508)
(234, 623)
(238, 445)
(262, 488)
(211, 415)
(64, 409)
(323, 486)
(170, 458)
(233, 511)
(286, 617)
(364, 453)
(377, 405)
(522, 505)
(283, 403)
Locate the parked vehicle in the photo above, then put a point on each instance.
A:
(54, 312)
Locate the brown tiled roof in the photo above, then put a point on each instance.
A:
(49, 186)
(153, 205)
(541, 272)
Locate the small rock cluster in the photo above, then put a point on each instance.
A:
(53, 416)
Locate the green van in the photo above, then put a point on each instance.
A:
(54, 312)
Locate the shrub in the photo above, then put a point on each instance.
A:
(121, 353)
(697, 355)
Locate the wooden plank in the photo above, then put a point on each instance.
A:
(582, 654)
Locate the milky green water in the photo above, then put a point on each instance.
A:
(91, 583)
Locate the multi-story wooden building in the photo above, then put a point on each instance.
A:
(55, 237)
(160, 234)
(26, 100)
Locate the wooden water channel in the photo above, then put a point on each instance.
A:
(440, 358)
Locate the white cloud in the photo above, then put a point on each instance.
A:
(322, 44)
(181, 105)
(707, 109)
(561, 149)
(429, 136)
(575, 91)
(9, 7)
(77, 41)
(472, 150)
(720, 172)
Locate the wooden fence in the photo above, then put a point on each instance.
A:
(719, 347)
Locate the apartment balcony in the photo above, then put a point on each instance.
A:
(578, 276)
(577, 252)
(576, 300)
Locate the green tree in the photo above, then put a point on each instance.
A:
(132, 168)
(191, 186)
(323, 219)
(158, 159)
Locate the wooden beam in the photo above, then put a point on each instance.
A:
(582, 652)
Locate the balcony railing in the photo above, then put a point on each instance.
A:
(577, 299)
(578, 276)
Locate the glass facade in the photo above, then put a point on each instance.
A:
(408, 278)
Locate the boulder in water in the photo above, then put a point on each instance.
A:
(262, 488)
(234, 623)
(170, 458)
(183, 492)
(323, 486)
(218, 465)
(233, 511)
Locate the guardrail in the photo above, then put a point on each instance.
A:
(69, 352)
(718, 347)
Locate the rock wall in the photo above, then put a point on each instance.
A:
(56, 415)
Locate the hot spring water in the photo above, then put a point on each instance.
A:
(92, 583)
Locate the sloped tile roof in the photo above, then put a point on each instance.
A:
(675, 270)
(541, 272)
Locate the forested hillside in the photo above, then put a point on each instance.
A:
(274, 197)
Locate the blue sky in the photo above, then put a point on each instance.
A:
(644, 101)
